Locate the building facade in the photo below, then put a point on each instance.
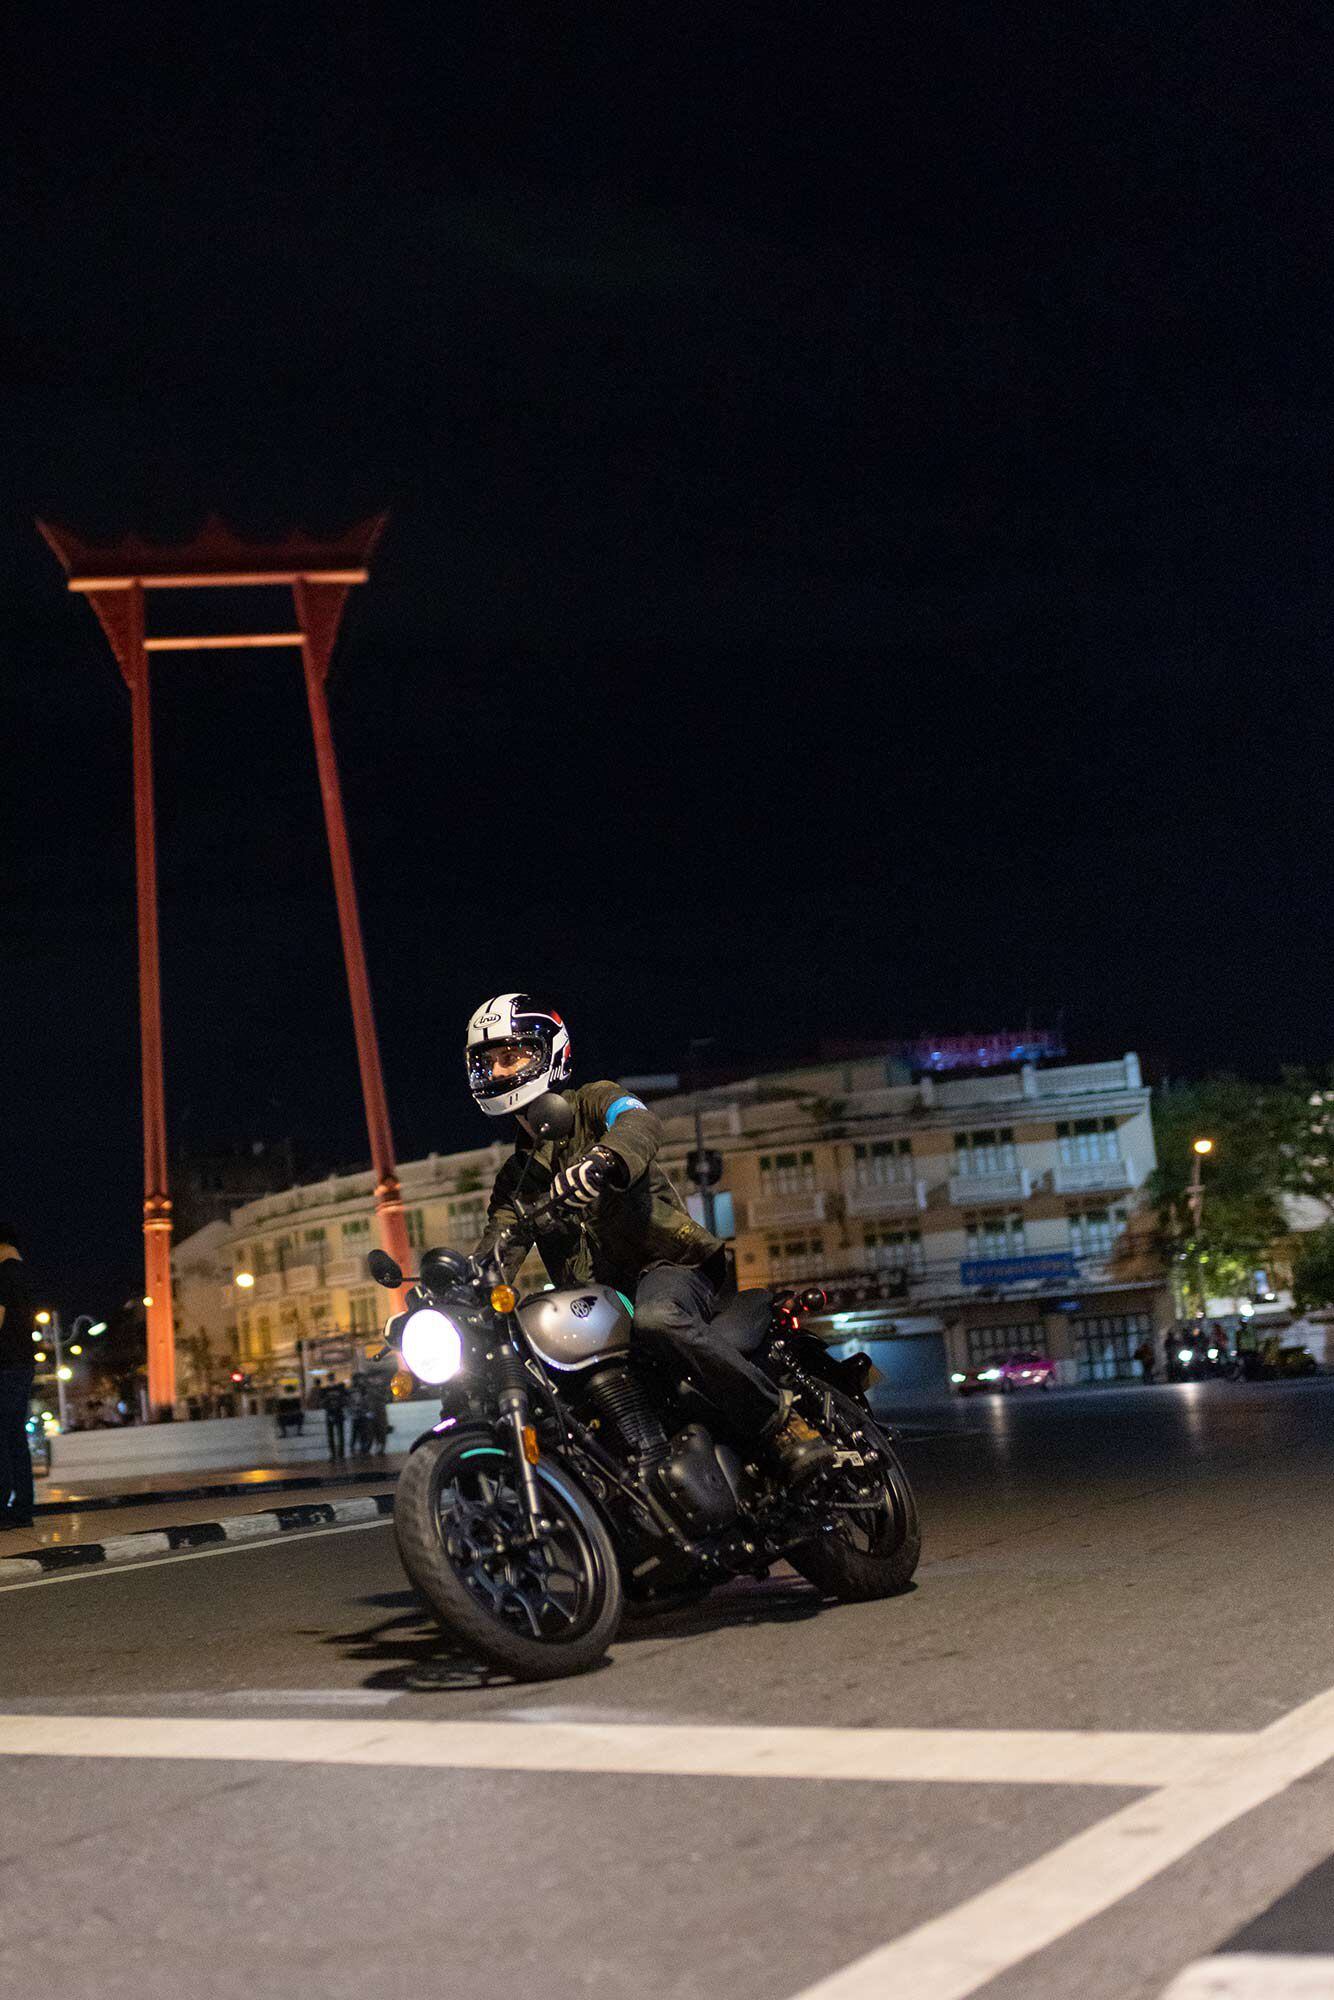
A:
(949, 1221)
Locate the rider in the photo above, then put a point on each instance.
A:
(617, 1219)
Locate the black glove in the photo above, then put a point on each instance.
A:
(579, 1186)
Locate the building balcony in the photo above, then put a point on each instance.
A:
(872, 1197)
(268, 1285)
(777, 1211)
(301, 1277)
(346, 1271)
(1094, 1177)
(976, 1190)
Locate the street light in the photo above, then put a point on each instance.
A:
(244, 1280)
(51, 1321)
(1199, 1151)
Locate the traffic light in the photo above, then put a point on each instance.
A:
(240, 1378)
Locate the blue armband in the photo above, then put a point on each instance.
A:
(621, 1104)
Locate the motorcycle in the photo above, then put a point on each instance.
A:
(574, 1478)
(39, 1446)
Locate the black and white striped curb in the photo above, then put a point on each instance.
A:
(150, 1542)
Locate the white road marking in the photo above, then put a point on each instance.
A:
(877, 1756)
(244, 1548)
(1245, 1975)
(955, 1954)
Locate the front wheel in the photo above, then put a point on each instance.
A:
(538, 1610)
(870, 1551)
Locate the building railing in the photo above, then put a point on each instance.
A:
(1008, 1184)
(1094, 1177)
(871, 1196)
(773, 1211)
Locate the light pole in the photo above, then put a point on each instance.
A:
(1200, 1150)
(50, 1322)
(703, 1176)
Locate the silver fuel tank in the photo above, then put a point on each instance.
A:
(570, 1329)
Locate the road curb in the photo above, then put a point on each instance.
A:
(119, 1550)
(221, 1488)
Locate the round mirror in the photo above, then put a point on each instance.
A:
(550, 1116)
(384, 1270)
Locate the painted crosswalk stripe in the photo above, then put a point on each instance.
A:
(955, 1955)
(1246, 1975)
(877, 1756)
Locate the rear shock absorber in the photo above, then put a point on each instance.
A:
(622, 1401)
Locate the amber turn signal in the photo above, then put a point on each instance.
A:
(530, 1450)
(504, 1298)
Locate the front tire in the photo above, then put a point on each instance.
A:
(538, 1614)
(874, 1552)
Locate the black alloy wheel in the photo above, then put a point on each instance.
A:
(539, 1610)
(873, 1549)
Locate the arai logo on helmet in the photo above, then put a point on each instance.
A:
(581, 1308)
(490, 1020)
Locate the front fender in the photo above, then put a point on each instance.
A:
(448, 1425)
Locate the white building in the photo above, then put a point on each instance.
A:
(949, 1220)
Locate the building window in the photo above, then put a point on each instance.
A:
(795, 1258)
(364, 1310)
(1104, 1347)
(787, 1173)
(1083, 1141)
(893, 1249)
(989, 1151)
(995, 1234)
(467, 1220)
(993, 1343)
(357, 1227)
(264, 1339)
(882, 1162)
(313, 1239)
(1093, 1231)
(416, 1228)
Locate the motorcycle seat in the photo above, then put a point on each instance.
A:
(745, 1319)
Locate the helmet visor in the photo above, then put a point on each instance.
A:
(496, 1067)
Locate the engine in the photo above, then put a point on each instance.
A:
(684, 1471)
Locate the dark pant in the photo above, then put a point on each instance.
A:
(16, 1494)
(678, 1306)
(337, 1440)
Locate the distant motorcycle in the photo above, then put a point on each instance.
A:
(573, 1477)
(39, 1446)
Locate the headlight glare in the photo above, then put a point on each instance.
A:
(431, 1345)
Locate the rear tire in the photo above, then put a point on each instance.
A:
(448, 1492)
(873, 1554)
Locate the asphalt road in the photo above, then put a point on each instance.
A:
(1100, 1569)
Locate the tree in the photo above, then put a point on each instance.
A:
(1313, 1269)
(1243, 1178)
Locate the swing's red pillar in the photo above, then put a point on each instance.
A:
(319, 574)
(319, 609)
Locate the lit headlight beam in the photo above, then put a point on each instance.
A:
(431, 1345)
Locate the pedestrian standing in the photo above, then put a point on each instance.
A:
(359, 1409)
(16, 1373)
(380, 1389)
(334, 1399)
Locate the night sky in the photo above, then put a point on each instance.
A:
(860, 555)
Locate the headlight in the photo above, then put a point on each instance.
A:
(1185, 1354)
(432, 1345)
(989, 1375)
(956, 1377)
(1213, 1354)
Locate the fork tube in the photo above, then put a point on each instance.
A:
(513, 1405)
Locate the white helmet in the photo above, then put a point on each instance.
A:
(537, 1033)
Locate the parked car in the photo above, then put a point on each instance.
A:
(1006, 1374)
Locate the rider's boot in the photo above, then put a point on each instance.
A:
(795, 1449)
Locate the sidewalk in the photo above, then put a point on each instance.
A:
(97, 1511)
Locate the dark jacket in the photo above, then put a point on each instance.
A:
(16, 1311)
(631, 1228)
